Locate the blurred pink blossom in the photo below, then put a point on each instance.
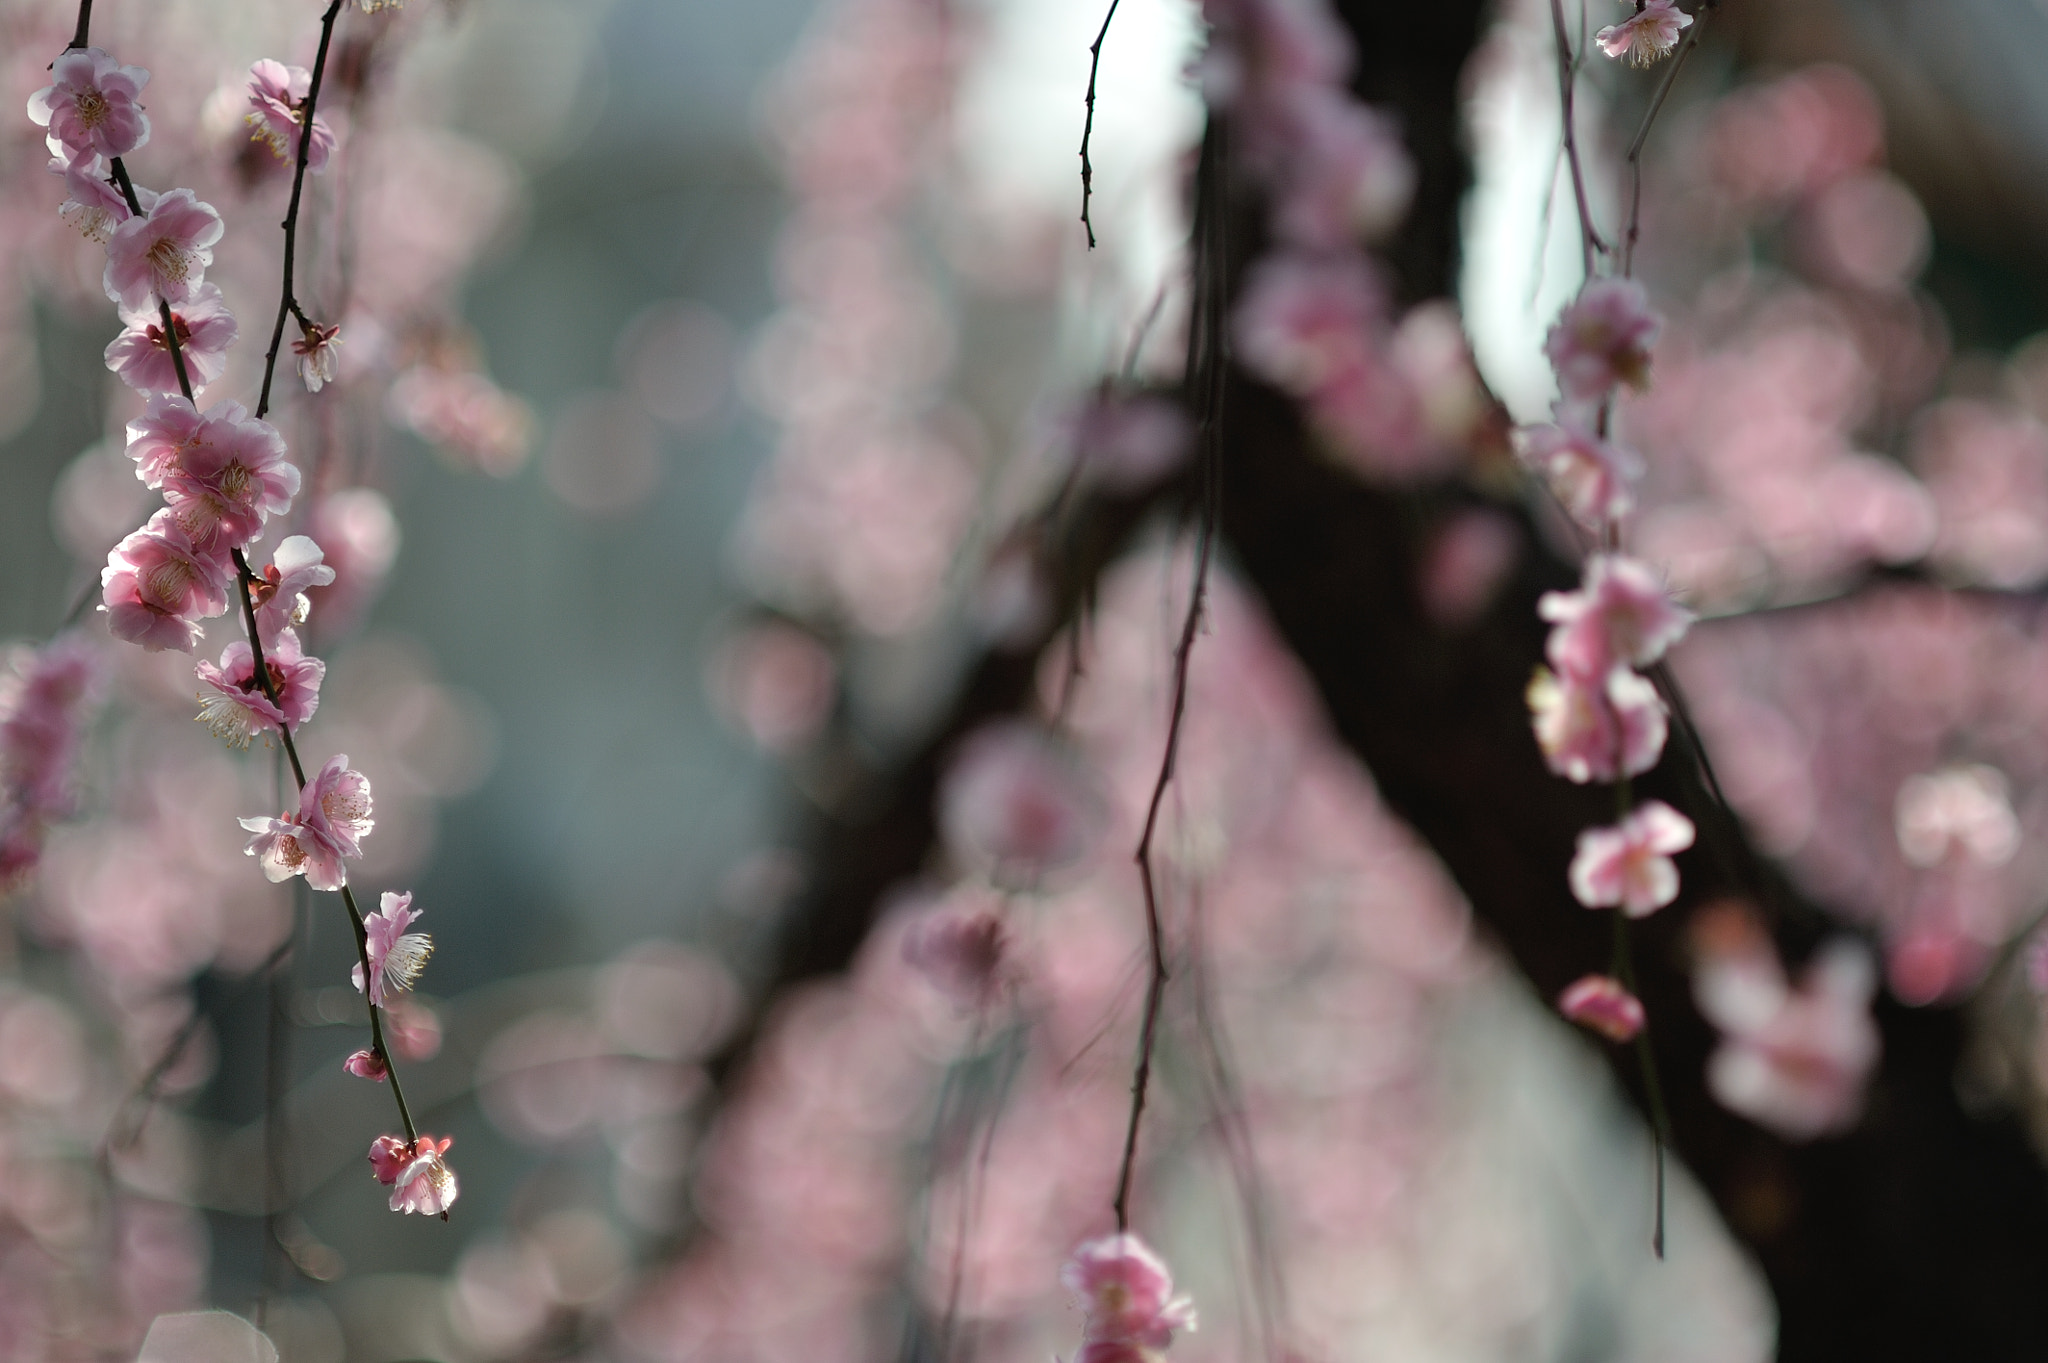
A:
(332, 819)
(92, 106)
(396, 956)
(1347, 175)
(1628, 866)
(1017, 805)
(235, 707)
(1621, 616)
(1792, 1060)
(1603, 1004)
(1590, 730)
(1962, 811)
(1128, 443)
(1603, 338)
(961, 951)
(1468, 560)
(163, 254)
(1647, 35)
(141, 355)
(1592, 477)
(276, 92)
(1127, 1292)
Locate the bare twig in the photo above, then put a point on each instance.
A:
(1635, 147)
(1205, 385)
(1589, 236)
(1088, 124)
(288, 303)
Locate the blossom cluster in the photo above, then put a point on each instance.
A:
(42, 707)
(224, 475)
(1315, 319)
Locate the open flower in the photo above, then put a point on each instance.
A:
(1590, 476)
(158, 439)
(1017, 805)
(234, 706)
(1127, 1292)
(141, 354)
(164, 253)
(318, 349)
(93, 204)
(228, 480)
(1593, 730)
(1647, 35)
(276, 95)
(1622, 616)
(281, 595)
(1602, 1004)
(158, 585)
(396, 956)
(332, 820)
(91, 106)
(424, 1183)
(1603, 338)
(1629, 865)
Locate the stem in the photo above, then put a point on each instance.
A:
(1088, 124)
(80, 35)
(1589, 236)
(287, 302)
(1204, 373)
(163, 309)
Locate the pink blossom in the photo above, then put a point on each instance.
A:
(1629, 865)
(1590, 476)
(1128, 443)
(961, 951)
(396, 956)
(1127, 1292)
(1620, 616)
(1792, 1060)
(332, 819)
(41, 707)
(163, 254)
(1015, 804)
(1647, 35)
(1962, 811)
(92, 106)
(281, 600)
(388, 1157)
(412, 1028)
(158, 585)
(141, 355)
(276, 94)
(230, 479)
(425, 1184)
(236, 709)
(158, 439)
(1603, 338)
(318, 349)
(93, 203)
(368, 1065)
(1595, 730)
(1603, 1004)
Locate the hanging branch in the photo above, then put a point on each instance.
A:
(1204, 381)
(1088, 124)
(1635, 148)
(1589, 236)
(287, 301)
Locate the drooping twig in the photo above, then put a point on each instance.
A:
(1088, 123)
(81, 36)
(1635, 147)
(1589, 236)
(287, 302)
(1204, 380)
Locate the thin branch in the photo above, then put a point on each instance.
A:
(1204, 379)
(1088, 124)
(1635, 148)
(80, 37)
(288, 302)
(1589, 236)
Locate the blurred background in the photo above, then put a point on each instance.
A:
(754, 503)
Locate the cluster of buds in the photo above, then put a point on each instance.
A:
(1597, 718)
(223, 474)
(1127, 1294)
